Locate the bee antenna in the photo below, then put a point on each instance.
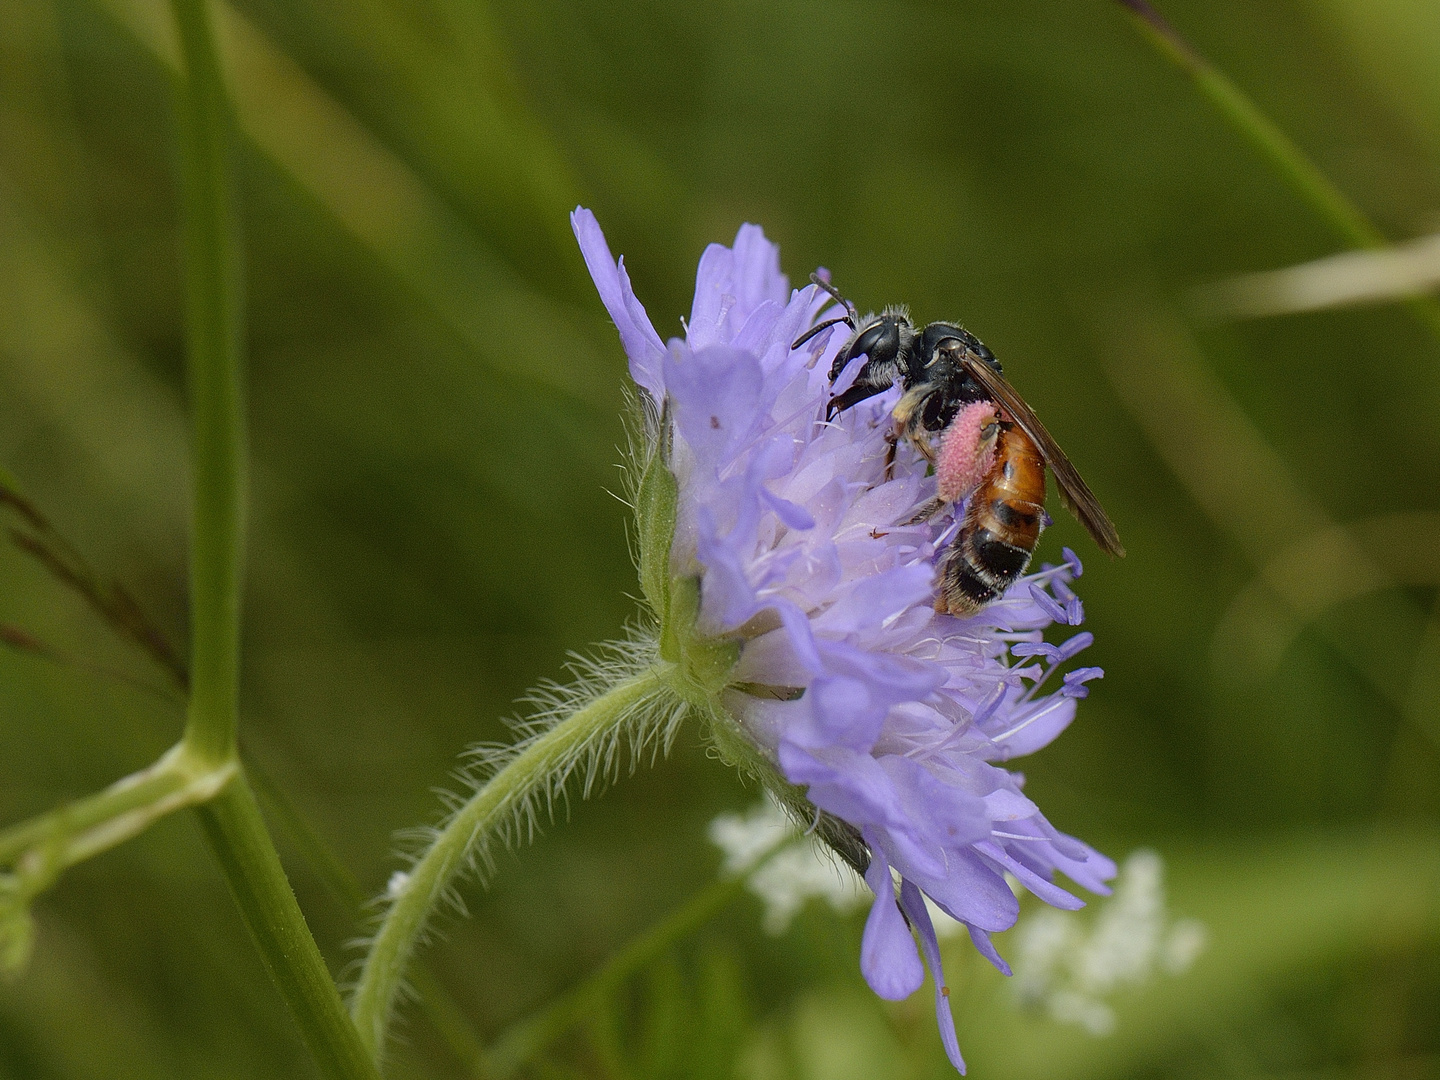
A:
(818, 328)
(851, 315)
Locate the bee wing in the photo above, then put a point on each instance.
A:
(1075, 494)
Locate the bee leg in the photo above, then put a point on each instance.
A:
(856, 394)
(926, 512)
(891, 439)
(922, 444)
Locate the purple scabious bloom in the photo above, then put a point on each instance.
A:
(893, 719)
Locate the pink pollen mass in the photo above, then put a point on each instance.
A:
(966, 453)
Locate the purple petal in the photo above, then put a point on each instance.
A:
(728, 598)
(713, 298)
(877, 598)
(888, 958)
(1075, 645)
(717, 394)
(1046, 890)
(848, 704)
(986, 948)
(944, 815)
(1035, 726)
(1036, 648)
(854, 786)
(802, 638)
(1089, 869)
(638, 337)
(792, 514)
(973, 891)
(914, 905)
(1074, 682)
(1073, 561)
(1047, 604)
(757, 270)
(1006, 804)
(732, 284)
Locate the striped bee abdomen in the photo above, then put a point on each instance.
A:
(1000, 529)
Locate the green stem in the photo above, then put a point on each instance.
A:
(434, 1000)
(237, 835)
(524, 1040)
(213, 344)
(533, 769)
(71, 834)
(231, 820)
(1312, 185)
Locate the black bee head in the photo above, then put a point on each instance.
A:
(885, 340)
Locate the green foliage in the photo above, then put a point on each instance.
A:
(436, 400)
(17, 925)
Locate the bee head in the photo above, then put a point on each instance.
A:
(885, 340)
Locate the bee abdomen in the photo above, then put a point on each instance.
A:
(1000, 558)
(1001, 528)
(977, 569)
(963, 589)
(1015, 516)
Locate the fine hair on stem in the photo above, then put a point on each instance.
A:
(617, 708)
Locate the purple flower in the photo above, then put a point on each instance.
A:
(893, 718)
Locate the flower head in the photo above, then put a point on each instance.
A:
(844, 681)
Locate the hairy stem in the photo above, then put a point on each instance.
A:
(534, 769)
(434, 1000)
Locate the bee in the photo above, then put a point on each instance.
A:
(992, 448)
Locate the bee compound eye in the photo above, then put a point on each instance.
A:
(880, 343)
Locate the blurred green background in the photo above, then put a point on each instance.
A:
(436, 398)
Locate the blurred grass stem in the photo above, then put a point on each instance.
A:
(1284, 156)
(212, 310)
(70, 834)
(454, 847)
(232, 820)
(520, 1044)
(434, 1000)
(237, 834)
(110, 600)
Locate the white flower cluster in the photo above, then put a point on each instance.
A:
(1067, 969)
(784, 879)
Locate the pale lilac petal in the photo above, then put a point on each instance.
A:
(716, 393)
(638, 337)
(888, 958)
(1091, 871)
(792, 514)
(1046, 890)
(714, 296)
(855, 787)
(881, 596)
(971, 890)
(1033, 726)
(947, 816)
(986, 948)
(757, 270)
(914, 905)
